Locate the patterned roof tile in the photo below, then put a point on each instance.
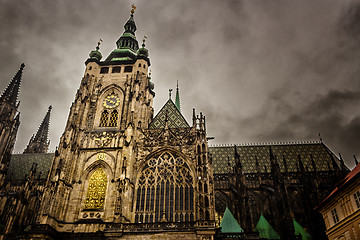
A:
(20, 165)
(223, 157)
(175, 118)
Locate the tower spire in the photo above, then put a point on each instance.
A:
(177, 98)
(10, 94)
(128, 39)
(39, 143)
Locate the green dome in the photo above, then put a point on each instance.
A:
(95, 54)
(151, 84)
(143, 51)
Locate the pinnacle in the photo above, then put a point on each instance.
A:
(39, 143)
(11, 93)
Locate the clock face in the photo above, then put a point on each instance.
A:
(111, 101)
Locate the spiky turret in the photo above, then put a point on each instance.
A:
(10, 95)
(39, 143)
(9, 121)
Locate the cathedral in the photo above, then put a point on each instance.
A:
(121, 171)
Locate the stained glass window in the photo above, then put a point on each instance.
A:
(165, 190)
(104, 118)
(113, 118)
(95, 195)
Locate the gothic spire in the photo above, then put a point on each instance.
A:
(128, 39)
(177, 98)
(10, 94)
(39, 143)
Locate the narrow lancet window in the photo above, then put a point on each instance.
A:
(113, 118)
(95, 195)
(104, 118)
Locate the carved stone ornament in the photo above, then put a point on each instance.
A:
(103, 139)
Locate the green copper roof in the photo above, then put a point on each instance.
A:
(126, 45)
(265, 229)
(177, 98)
(300, 230)
(229, 223)
(175, 118)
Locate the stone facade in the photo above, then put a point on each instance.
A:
(113, 173)
(120, 172)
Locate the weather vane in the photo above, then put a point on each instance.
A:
(133, 8)
(99, 42)
(170, 90)
(144, 39)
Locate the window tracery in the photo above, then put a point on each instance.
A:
(165, 190)
(95, 195)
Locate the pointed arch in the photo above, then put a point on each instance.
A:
(104, 118)
(164, 189)
(110, 105)
(113, 118)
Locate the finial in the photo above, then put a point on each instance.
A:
(144, 39)
(320, 137)
(99, 42)
(170, 90)
(133, 8)
(50, 107)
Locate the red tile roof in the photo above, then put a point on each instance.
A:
(353, 175)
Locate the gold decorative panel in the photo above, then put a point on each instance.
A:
(95, 196)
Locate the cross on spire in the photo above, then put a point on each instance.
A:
(170, 90)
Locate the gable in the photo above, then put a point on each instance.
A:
(175, 118)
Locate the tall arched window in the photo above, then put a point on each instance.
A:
(95, 195)
(104, 118)
(113, 118)
(164, 190)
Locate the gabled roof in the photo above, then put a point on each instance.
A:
(352, 176)
(229, 223)
(170, 112)
(265, 229)
(300, 230)
(224, 157)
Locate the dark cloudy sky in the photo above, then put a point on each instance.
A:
(261, 71)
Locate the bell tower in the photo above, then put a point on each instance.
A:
(118, 171)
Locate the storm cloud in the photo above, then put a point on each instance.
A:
(261, 71)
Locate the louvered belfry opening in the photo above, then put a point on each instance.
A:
(165, 191)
